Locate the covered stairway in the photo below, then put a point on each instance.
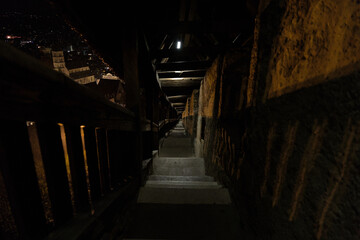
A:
(179, 201)
(233, 120)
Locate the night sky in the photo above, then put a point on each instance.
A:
(26, 5)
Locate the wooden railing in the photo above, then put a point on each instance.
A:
(66, 153)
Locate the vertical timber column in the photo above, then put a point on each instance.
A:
(130, 49)
(155, 128)
(26, 218)
(55, 169)
(93, 161)
(103, 156)
(77, 168)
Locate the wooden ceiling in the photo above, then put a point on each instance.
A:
(205, 28)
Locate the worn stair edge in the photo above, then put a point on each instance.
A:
(181, 178)
(179, 172)
(183, 184)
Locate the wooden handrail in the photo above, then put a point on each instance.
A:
(63, 148)
(60, 148)
(29, 90)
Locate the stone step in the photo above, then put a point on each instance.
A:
(177, 171)
(179, 161)
(182, 184)
(183, 196)
(175, 166)
(181, 178)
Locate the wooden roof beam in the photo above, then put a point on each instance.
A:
(183, 66)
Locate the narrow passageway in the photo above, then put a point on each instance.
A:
(265, 95)
(179, 201)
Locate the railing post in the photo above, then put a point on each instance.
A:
(103, 155)
(130, 48)
(21, 182)
(77, 168)
(93, 161)
(155, 129)
(55, 170)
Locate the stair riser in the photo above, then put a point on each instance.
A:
(181, 178)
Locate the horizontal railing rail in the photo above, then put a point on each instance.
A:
(63, 149)
(31, 91)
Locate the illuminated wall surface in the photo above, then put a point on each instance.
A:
(280, 121)
(318, 41)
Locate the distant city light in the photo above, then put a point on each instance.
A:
(178, 45)
(12, 37)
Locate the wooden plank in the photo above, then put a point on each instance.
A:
(181, 83)
(183, 66)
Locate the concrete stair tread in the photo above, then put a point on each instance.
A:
(179, 162)
(179, 166)
(181, 178)
(182, 184)
(184, 196)
(174, 171)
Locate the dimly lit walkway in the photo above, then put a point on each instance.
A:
(179, 201)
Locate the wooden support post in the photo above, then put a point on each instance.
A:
(102, 156)
(8, 228)
(77, 168)
(131, 70)
(147, 144)
(93, 162)
(130, 50)
(155, 128)
(55, 170)
(114, 151)
(21, 182)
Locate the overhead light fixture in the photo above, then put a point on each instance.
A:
(178, 45)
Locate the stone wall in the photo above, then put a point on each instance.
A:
(280, 121)
(191, 113)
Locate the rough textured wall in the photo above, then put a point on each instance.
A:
(209, 85)
(191, 113)
(318, 40)
(291, 157)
